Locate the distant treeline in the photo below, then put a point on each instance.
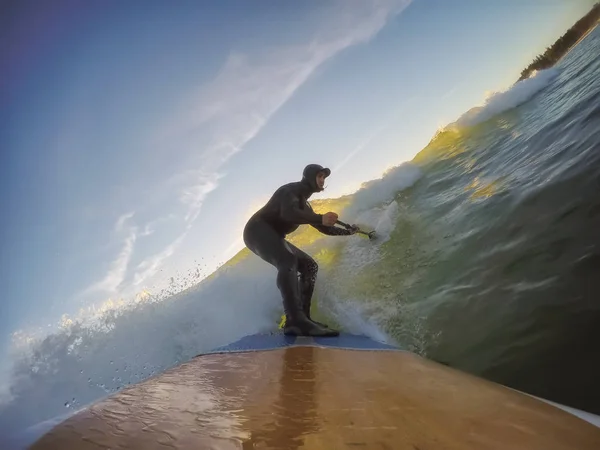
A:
(564, 43)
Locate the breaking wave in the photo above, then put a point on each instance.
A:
(500, 102)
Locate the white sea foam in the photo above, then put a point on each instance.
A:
(500, 102)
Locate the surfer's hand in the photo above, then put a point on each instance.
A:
(353, 229)
(329, 219)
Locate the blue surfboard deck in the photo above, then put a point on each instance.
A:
(272, 341)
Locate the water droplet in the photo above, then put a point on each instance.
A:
(81, 371)
(111, 362)
(67, 404)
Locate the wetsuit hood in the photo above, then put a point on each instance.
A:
(309, 176)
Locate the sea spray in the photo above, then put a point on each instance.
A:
(500, 102)
(78, 364)
(379, 192)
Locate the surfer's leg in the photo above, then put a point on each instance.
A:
(262, 240)
(308, 269)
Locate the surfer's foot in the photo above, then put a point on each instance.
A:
(306, 310)
(321, 324)
(285, 320)
(305, 327)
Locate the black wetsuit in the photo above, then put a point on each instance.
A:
(265, 234)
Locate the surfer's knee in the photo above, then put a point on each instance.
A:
(287, 270)
(288, 263)
(307, 266)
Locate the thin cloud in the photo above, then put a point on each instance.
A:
(150, 266)
(193, 196)
(250, 89)
(197, 187)
(121, 220)
(449, 93)
(118, 268)
(150, 227)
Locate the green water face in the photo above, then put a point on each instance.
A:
(493, 263)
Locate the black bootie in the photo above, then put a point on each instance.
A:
(297, 324)
(306, 302)
(307, 287)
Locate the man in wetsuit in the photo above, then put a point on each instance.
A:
(265, 234)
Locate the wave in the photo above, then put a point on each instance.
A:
(448, 140)
(499, 102)
(89, 358)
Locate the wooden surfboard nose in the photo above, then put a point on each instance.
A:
(311, 393)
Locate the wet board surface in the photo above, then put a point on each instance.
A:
(319, 394)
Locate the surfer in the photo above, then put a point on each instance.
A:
(265, 234)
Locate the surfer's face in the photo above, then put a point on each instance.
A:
(320, 180)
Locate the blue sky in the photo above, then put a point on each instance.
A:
(137, 137)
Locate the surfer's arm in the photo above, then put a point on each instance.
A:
(333, 231)
(291, 211)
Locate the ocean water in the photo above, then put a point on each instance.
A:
(487, 259)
